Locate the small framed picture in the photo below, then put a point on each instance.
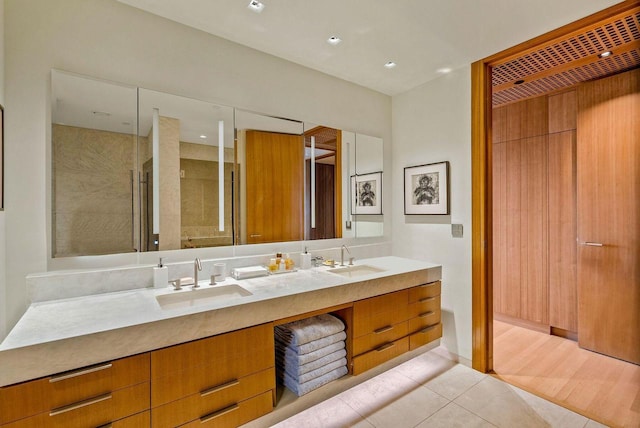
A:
(366, 193)
(426, 189)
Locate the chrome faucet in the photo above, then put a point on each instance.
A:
(344, 247)
(196, 267)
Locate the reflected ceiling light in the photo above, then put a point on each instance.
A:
(444, 70)
(390, 64)
(334, 40)
(203, 136)
(605, 54)
(256, 6)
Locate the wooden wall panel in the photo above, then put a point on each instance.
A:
(534, 226)
(520, 211)
(513, 225)
(562, 112)
(563, 297)
(499, 126)
(499, 227)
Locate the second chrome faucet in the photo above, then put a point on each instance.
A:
(197, 266)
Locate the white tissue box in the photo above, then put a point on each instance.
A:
(249, 272)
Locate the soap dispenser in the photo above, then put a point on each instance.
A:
(305, 259)
(160, 275)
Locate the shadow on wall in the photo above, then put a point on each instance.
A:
(449, 336)
(427, 219)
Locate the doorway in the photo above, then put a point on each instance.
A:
(483, 99)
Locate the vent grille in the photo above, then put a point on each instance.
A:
(623, 31)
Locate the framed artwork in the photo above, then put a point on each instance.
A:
(426, 189)
(366, 193)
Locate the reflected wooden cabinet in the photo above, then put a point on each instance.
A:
(387, 326)
(274, 187)
(92, 396)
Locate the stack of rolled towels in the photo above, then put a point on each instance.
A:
(310, 353)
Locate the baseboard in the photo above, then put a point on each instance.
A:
(531, 325)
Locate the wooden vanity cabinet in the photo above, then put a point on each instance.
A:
(425, 314)
(222, 380)
(87, 397)
(389, 325)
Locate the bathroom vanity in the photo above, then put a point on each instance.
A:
(159, 358)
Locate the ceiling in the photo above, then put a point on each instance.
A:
(420, 36)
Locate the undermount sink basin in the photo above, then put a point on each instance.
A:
(356, 270)
(201, 296)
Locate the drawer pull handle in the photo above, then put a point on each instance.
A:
(386, 346)
(429, 328)
(383, 329)
(80, 372)
(431, 284)
(426, 299)
(80, 404)
(218, 413)
(219, 387)
(426, 314)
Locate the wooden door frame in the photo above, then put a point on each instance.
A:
(481, 178)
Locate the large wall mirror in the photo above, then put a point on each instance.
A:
(94, 154)
(141, 170)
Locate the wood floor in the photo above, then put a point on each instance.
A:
(599, 387)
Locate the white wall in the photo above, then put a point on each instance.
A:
(432, 123)
(109, 40)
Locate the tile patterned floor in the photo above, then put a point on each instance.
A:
(433, 391)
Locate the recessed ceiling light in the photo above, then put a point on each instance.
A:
(390, 64)
(203, 136)
(444, 70)
(256, 6)
(605, 54)
(334, 40)
(519, 82)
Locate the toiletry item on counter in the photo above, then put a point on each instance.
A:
(272, 265)
(160, 275)
(282, 266)
(305, 259)
(288, 262)
(249, 272)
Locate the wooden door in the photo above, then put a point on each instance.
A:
(275, 187)
(608, 196)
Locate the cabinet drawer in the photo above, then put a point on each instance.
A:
(420, 292)
(379, 312)
(378, 338)
(41, 395)
(213, 398)
(96, 411)
(364, 362)
(423, 306)
(236, 414)
(426, 319)
(424, 336)
(187, 369)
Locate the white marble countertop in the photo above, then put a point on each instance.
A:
(60, 335)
